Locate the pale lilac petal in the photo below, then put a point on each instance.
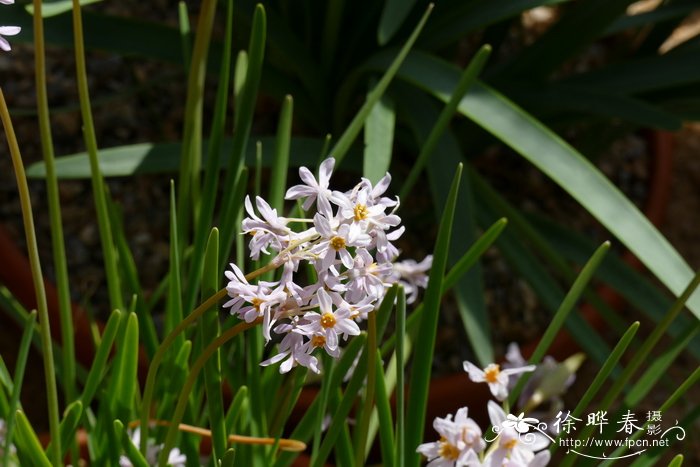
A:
(325, 171)
(476, 374)
(307, 177)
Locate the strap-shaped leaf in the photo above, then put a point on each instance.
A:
(563, 164)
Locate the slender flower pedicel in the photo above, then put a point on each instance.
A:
(348, 241)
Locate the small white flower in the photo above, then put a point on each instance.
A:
(329, 323)
(314, 190)
(412, 275)
(496, 378)
(7, 31)
(335, 242)
(516, 446)
(294, 349)
(459, 440)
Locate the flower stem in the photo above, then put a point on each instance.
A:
(168, 341)
(57, 242)
(191, 378)
(35, 264)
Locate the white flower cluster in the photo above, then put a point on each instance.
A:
(349, 244)
(517, 443)
(7, 30)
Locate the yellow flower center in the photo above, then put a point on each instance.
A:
(256, 302)
(360, 211)
(510, 444)
(318, 341)
(491, 373)
(448, 451)
(328, 320)
(337, 243)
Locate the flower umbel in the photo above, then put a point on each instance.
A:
(348, 242)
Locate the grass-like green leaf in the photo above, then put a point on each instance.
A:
(71, 420)
(173, 305)
(603, 374)
(677, 461)
(379, 139)
(659, 367)
(122, 388)
(132, 453)
(20, 366)
(385, 421)
(466, 79)
(559, 317)
(563, 164)
(422, 364)
(280, 164)
(243, 119)
(209, 331)
(342, 146)
(29, 449)
(99, 364)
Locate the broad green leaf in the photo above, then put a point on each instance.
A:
(563, 164)
(144, 158)
(554, 100)
(393, 15)
(578, 26)
(675, 68)
(454, 20)
(379, 139)
(663, 12)
(56, 7)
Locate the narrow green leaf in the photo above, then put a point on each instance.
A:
(245, 108)
(29, 449)
(99, 364)
(71, 420)
(173, 308)
(467, 78)
(393, 15)
(385, 421)
(20, 366)
(191, 161)
(185, 33)
(677, 461)
(602, 375)
(342, 146)
(370, 389)
(660, 366)
(122, 389)
(422, 365)
(212, 166)
(209, 330)
(560, 316)
(234, 411)
(229, 458)
(280, 164)
(137, 459)
(379, 139)
(562, 164)
(307, 425)
(400, 387)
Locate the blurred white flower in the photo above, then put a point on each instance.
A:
(496, 378)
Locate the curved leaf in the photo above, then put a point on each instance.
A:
(560, 162)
